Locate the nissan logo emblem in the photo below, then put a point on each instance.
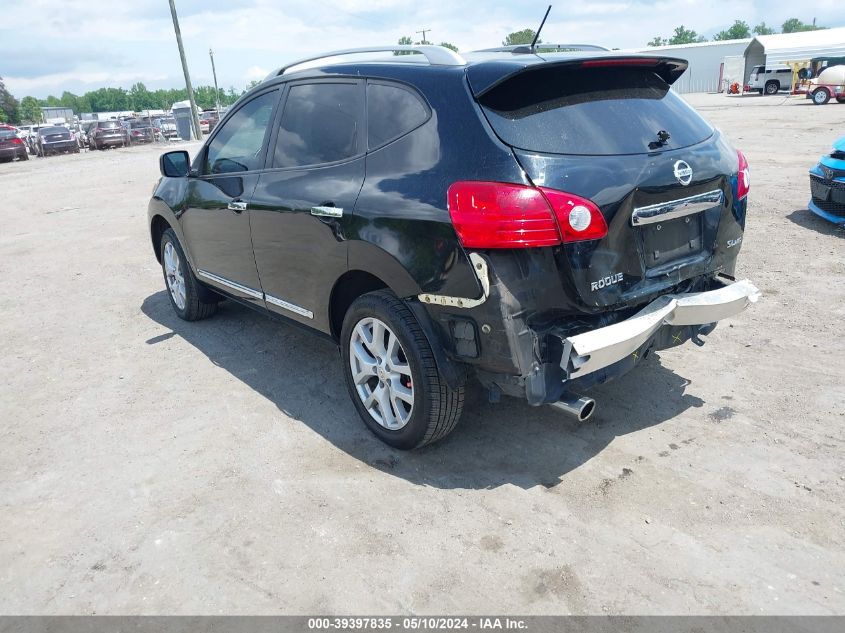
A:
(683, 172)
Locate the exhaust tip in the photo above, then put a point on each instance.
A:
(580, 408)
(587, 410)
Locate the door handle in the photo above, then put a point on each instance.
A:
(328, 212)
(237, 206)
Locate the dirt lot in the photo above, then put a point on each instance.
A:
(153, 466)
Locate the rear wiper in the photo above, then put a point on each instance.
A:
(662, 137)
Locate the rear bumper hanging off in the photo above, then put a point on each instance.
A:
(588, 352)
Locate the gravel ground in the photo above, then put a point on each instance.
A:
(153, 466)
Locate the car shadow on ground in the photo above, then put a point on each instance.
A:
(809, 220)
(494, 444)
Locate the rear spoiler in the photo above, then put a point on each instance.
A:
(485, 76)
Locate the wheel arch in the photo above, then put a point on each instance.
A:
(158, 225)
(355, 283)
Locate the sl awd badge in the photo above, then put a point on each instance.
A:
(683, 172)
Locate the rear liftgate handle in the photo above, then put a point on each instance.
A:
(237, 206)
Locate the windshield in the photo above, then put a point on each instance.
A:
(596, 111)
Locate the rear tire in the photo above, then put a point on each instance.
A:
(183, 289)
(383, 345)
(25, 156)
(821, 96)
(772, 87)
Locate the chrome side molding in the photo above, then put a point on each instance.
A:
(291, 307)
(664, 211)
(479, 267)
(256, 294)
(228, 283)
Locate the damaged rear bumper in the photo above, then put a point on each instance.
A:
(591, 351)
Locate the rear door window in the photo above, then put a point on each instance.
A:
(392, 111)
(321, 123)
(596, 111)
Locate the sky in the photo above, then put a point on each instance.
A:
(48, 46)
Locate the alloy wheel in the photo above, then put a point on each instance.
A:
(381, 373)
(174, 275)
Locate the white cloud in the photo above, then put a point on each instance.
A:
(134, 41)
(256, 72)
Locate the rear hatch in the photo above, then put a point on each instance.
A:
(8, 139)
(110, 128)
(611, 130)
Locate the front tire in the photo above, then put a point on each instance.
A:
(391, 374)
(182, 286)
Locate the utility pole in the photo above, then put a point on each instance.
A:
(424, 31)
(216, 89)
(194, 116)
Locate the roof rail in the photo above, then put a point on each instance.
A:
(522, 49)
(436, 55)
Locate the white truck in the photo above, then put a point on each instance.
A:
(769, 80)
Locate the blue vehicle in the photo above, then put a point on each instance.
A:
(827, 185)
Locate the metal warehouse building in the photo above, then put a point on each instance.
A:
(794, 47)
(706, 60)
(712, 65)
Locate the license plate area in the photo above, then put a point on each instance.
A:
(820, 190)
(667, 242)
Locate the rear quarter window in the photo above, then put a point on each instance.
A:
(392, 111)
(596, 111)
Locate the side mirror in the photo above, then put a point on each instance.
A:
(174, 164)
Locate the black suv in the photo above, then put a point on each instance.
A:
(537, 222)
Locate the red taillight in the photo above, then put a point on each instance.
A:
(743, 182)
(17, 141)
(501, 215)
(579, 219)
(506, 215)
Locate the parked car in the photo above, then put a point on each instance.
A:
(827, 185)
(103, 134)
(208, 119)
(167, 125)
(770, 79)
(11, 145)
(540, 223)
(29, 138)
(141, 131)
(829, 83)
(54, 140)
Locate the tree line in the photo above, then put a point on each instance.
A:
(738, 31)
(137, 98)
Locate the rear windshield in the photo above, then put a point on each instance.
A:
(597, 111)
(54, 130)
(6, 134)
(108, 124)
